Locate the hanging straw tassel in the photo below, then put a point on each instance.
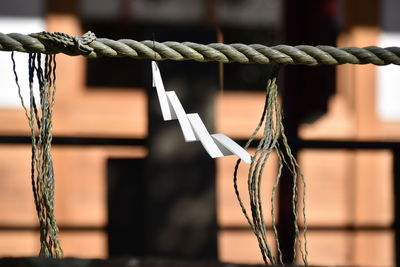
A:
(273, 130)
(42, 172)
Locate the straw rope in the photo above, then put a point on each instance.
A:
(92, 47)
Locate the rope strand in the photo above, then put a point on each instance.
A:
(271, 118)
(42, 172)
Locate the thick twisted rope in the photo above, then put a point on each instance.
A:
(90, 46)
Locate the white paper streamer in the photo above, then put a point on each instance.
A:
(162, 96)
(193, 128)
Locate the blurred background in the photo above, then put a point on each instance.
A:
(130, 186)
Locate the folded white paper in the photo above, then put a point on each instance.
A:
(193, 128)
(162, 97)
(180, 114)
(232, 147)
(203, 135)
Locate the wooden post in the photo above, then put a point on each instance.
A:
(305, 93)
(181, 201)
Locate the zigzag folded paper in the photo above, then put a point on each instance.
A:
(193, 128)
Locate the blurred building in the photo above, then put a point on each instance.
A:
(107, 196)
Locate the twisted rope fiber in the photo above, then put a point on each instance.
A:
(42, 172)
(271, 118)
(92, 47)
